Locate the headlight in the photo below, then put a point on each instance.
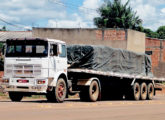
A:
(5, 80)
(41, 81)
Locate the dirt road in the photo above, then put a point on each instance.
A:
(76, 110)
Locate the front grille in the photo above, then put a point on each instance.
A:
(23, 70)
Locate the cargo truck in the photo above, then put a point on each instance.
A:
(35, 66)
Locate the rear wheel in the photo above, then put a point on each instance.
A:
(133, 93)
(143, 91)
(94, 91)
(58, 94)
(136, 91)
(90, 93)
(150, 91)
(15, 96)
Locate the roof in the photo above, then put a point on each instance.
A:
(55, 40)
(4, 35)
(32, 38)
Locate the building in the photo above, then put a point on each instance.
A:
(4, 35)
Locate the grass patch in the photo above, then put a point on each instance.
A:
(2, 94)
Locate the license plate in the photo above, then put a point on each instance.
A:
(22, 81)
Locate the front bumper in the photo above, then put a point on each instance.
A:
(32, 86)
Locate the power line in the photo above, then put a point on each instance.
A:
(71, 6)
(11, 24)
(95, 10)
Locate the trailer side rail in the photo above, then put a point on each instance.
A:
(114, 74)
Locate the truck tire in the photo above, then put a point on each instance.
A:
(150, 91)
(90, 93)
(58, 94)
(143, 91)
(94, 91)
(15, 96)
(136, 91)
(133, 93)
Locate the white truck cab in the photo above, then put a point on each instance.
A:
(35, 66)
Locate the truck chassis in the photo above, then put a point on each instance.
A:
(97, 85)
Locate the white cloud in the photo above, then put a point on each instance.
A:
(156, 24)
(89, 8)
(76, 23)
(26, 12)
(91, 4)
(155, 2)
(146, 12)
(163, 10)
(149, 12)
(82, 19)
(9, 18)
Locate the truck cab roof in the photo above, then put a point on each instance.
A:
(41, 39)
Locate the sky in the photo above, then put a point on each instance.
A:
(24, 14)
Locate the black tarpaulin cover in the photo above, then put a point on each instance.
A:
(107, 59)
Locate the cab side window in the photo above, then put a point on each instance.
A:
(54, 50)
(63, 53)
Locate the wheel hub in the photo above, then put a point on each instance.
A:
(61, 90)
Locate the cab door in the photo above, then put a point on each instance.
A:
(58, 59)
(53, 58)
(62, 60)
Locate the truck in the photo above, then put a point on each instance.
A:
(42, 66)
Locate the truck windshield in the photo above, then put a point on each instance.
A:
(26, 48)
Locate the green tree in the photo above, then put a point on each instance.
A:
(150, 33)
(3, 28)
(161, 32)
(116, 15)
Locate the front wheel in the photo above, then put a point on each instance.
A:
(15, 96)
(58, 94)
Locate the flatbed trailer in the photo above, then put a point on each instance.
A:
(98, 85)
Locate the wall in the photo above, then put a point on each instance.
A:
(109, 37)
(136, 41)
(117, 38)
(156, 48)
